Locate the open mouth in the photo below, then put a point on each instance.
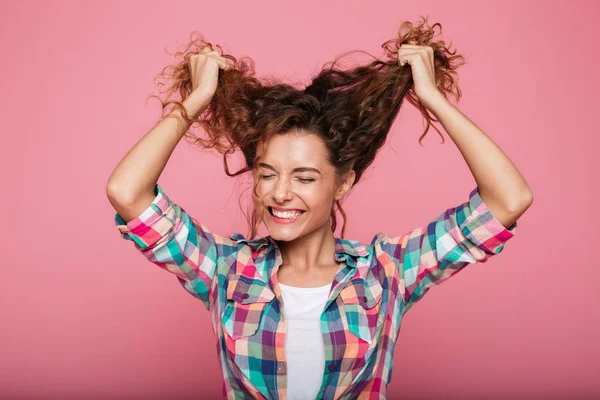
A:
(285, 216)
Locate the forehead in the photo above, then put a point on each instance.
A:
(294, 149)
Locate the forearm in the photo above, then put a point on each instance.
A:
(498, 179)
(137, 173)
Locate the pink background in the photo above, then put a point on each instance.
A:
(84, 315)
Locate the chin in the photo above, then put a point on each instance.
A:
(286, 236)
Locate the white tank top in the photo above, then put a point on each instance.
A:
(304, 347)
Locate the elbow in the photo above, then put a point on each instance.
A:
(525, 201)
(116, 194)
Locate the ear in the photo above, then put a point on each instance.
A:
(346, 185)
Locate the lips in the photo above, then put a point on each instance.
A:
(270, 209)
(286, 220)
(284, 209)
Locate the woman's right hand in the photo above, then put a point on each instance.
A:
(204, 72)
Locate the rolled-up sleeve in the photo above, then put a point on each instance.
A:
(429, 255)
(170, 238)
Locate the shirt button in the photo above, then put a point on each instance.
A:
(331, 366)
(245, 296)
(365, 299)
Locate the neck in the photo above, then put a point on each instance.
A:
(309, 252)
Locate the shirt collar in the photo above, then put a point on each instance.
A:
(343, 247)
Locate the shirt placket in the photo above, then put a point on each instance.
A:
(333, 356)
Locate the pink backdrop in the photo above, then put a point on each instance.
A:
(84, 315)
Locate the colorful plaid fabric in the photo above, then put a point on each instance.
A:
(236, 280)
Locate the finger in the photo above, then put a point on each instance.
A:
(217, 57)
(428, 49)
(412, 51)
(409, 54)
(406, 58)
(206, 49)
(419, 49)
(222, 63)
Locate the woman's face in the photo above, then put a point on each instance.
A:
(296, 179)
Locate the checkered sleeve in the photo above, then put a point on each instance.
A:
(427, 256)
(170, 238)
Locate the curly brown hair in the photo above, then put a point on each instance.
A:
(351, 110)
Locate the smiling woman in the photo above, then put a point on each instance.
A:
(301, 313)
(294, 173)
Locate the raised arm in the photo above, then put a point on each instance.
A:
(499, 182)
(131, 186)
(162, 230)
(476, 229)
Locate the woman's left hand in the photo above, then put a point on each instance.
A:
(421, 63)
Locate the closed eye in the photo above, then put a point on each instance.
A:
(306, 180)
(303, 180)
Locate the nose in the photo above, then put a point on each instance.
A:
(281, 192)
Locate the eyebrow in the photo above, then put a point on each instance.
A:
(299, 169)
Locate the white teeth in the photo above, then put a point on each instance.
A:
(286, 214)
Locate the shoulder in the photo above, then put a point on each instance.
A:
(255, 244)
(352, 247)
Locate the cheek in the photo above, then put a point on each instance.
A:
(319, 200)
(262, 192)
(261, 189)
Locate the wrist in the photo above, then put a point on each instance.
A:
(436, 102)
(195, 103)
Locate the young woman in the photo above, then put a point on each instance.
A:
(302, 314)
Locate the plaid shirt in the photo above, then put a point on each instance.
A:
(236, 280)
